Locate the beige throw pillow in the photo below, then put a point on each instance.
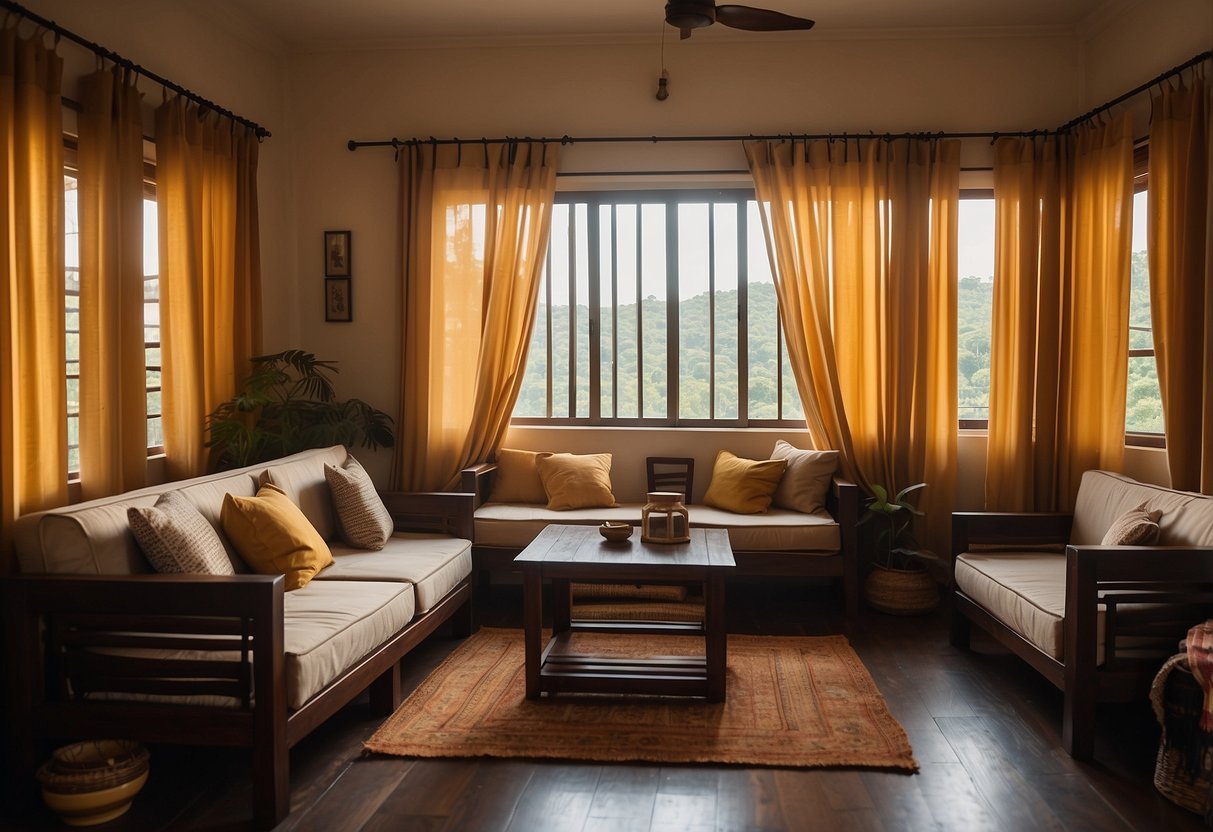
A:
(362, 518)
(1136, 527)
(743, 486)
(577, 480)
(517, 477)
(176, 538)
(806, 481)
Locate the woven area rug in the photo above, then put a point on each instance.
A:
(792, 702)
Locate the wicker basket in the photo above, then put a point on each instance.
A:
(900, 591)
(93, 766)
(1185, 756)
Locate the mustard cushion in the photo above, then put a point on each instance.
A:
(517, 479)
(743, 486)
(576, 480)
(274, 537)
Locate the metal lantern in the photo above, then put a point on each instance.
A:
(664, 519)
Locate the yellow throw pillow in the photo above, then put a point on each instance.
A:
(517, 478)
(577, 480)
(743, 486)
(274, 537)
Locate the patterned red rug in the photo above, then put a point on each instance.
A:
(793, 702)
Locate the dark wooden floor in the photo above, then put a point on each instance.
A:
(984, 729)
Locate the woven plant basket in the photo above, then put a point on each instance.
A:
(92, 766)
(1185, 756)
(900, 591)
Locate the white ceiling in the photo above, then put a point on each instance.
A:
(321, 22)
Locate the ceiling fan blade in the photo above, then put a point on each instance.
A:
(759, 20)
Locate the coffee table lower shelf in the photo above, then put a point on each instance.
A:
(564, 671)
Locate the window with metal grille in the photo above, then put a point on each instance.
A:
(151, 312)
(658, 308)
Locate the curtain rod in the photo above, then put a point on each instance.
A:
(110, 55)
(1138, 90)
(397, 143)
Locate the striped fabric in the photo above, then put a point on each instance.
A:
(363, 520)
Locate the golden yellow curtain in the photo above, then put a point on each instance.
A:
(1095, 310)
(1181, 279)
(33, 396)
(475, 225)
(1059, 347)
(113, 404)
(1021, 446)
(210, 271)
(862, 241)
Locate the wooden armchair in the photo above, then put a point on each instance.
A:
(1124, 608)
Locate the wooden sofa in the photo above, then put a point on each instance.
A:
(1096, 621)
(780, 542)
(98, 646)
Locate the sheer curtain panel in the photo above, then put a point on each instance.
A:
(113, 398)
(862, 240)
(1021, 445)
(1181, 279)
(210, 271)
(33, 397)
(475, 225)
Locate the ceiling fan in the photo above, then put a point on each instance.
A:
(686, 15)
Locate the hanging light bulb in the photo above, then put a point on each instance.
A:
(663, 89)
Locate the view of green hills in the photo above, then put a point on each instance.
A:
(974, 308)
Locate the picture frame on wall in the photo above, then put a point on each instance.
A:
(337, 253)
(338, 300)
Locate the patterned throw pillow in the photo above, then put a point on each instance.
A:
(361, 516)
(176, 538)
(1136, 527)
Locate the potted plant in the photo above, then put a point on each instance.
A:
(899, 582)
(287, 405)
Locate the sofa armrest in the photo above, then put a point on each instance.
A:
(53, 625)
(444, 512)
(842, 501)
(478, 481)
(1176, 582)
(1009, 528)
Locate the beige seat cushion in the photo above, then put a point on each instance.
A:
(514, 525)
(1025, 591)
(434, 564)
(778, 530)
(330, 625)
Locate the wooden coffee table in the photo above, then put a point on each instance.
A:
(579, 553)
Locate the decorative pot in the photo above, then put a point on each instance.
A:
(900, 591)
(93, 782)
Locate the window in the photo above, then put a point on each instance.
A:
(974, 307)
(1143, 399)
(151, 314)
(657, 308)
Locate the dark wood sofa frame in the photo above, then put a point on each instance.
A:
(1151, 595)
(842, 501)
(55, 625)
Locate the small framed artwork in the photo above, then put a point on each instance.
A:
(338, 302)
(337, 254)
